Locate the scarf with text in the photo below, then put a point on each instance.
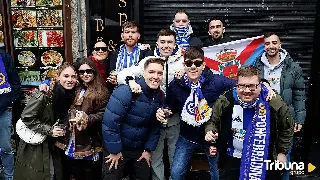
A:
(196, 110)
(256, 142)
(4, 83)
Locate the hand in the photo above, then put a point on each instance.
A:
(147, 156)
(112, 78)
(210, 136)
(81, 120)
(271, 93)
(135, 87)
(44, 88)
(282, 158)
(145, 46)
(56, 132)
(114, 159)
(179, 73)
(297, 127)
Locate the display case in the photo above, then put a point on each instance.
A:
(38, 40)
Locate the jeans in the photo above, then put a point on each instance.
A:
(182, 158)
(7, 156)
(286, 173)
(170, 133)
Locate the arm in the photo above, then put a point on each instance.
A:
(133, 71)
(214, 123)
(114, 113)
(299, 96)
(32, 112)
(154, 135)
(285, 126)
(13, 79)
(96, 117)
(171, 100)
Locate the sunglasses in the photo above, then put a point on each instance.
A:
(183, 20)
(196, 63)
(88, 71)
(104, 49)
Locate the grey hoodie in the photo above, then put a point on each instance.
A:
(272, 73)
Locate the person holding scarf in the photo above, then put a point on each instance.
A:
(9, 92)
(190, 97)
(181, 25)
(129, 53)
(249, 129)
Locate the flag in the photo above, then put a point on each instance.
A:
(227, 58)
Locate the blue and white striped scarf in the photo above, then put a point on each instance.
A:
(123, 62)
(183, 35)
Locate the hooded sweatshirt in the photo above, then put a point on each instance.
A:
(272, 73)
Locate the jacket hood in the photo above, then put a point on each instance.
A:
(283, 54)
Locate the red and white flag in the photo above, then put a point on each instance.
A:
(227, 58)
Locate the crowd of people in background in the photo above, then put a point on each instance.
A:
(109, 116)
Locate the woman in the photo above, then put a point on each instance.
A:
(34, 162)
(81, 147)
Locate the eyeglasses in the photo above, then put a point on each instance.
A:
(251, 87)
(183, 20)
(196, 63)
(88, 71)
(104, 49)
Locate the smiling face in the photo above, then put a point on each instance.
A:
(166, 45)
(130, 36)
(86, 73)
(100, 52)
(194, 68)
(153, 75)
(216, 29)
(67, 78)
(181, 20)
(248, 88)
(272, 45)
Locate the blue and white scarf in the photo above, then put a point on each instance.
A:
(123, 62)
(4, 83)
(256, 142)
(196, 110)
(183, 35)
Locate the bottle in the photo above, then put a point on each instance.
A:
(213, 148)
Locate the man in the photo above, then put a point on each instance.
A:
(166, 48)
(99, 57)
(196, 90)
(181, 25)
(286, 77)
(129, 53)
(130, 130)
(216, 31)
(9, 92)
(250, 130)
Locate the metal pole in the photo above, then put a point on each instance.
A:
(80, 29)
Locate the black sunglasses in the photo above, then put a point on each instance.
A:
(88, 71)
(104, 49)
(196, 63)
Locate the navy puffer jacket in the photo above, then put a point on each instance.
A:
(129, 121)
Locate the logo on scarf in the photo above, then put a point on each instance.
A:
(202, 111)
(2, 79)
(230, 65)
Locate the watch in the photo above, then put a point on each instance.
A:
(128, 78)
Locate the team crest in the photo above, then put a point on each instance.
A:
(230, 65)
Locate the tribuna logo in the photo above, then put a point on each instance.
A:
(297, 168)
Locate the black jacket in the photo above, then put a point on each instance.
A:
(210, 42)
(13, 78)
(195, 41)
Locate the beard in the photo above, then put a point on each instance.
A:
(130, 42)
